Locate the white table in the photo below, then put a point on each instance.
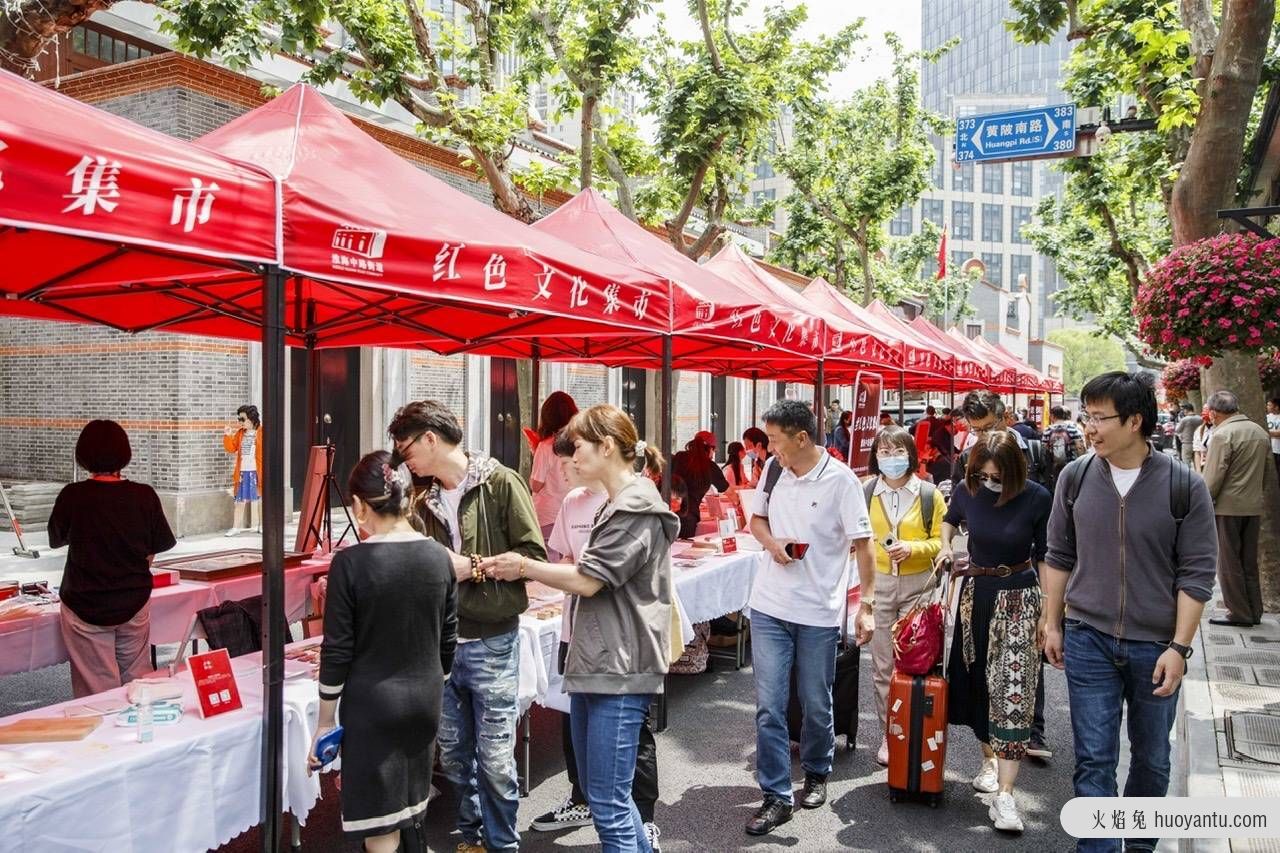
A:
(194, 788)
(35, 642)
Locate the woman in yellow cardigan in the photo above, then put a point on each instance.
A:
(905, 546)
(245, 441)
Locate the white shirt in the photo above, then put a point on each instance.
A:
(248, 458)
(452, 498)
(1200, 444)
(896, 502)
(826, 510)
(570, 534)
(1273, 422)
(548, 471)
(1124, 478)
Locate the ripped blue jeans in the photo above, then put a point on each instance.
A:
(477, 739)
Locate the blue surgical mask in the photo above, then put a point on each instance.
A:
(894, 467)
(751, 454)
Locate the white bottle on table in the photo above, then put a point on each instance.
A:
(145, 729)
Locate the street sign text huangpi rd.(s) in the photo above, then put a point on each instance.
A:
(1035, 132)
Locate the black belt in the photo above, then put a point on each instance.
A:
(1000, 571)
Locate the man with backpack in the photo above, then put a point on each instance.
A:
(985, 411)
(1135, 584)
(1063, 443)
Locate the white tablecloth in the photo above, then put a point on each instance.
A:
(36, 642)
(195, 787)
(720, 585)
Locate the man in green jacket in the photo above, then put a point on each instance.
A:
(476, 507)
(1235, 470)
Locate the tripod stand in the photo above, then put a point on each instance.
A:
(321, 522)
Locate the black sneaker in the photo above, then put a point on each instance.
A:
(773, 814)
(1038, 749)
(815, 791)
(565, 816)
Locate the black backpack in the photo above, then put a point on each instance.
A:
(1072, 480)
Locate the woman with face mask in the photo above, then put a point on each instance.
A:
(906, 544)
(995, 665)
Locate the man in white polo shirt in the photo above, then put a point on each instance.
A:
(798, 600)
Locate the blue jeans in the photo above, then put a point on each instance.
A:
(606, 737)
(477, 739)
(777, 646)
(1104, 673)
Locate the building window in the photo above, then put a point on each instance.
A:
(930, 269)
(962, 220)
(764, 169)
(1019, 266)
(903, 220)
(962, 178)
(993, 178)
(972, 330)
(1011, 314)
(992, 223)
(759, 197)
(994, 262)
(1020, 216)
(1021, 178)
(933, 211)
(939, 168)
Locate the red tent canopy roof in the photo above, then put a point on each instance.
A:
(930, 358)
(93, 206)
(452, 273)
(719, 327)
(1028, 378)
(969, 370)
(1004, 377)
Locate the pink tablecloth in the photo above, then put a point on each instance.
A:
(36, 642)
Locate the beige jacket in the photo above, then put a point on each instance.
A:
(1239, 458)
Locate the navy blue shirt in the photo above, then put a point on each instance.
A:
(1003, 535)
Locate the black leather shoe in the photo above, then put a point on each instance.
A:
(770, 816)
(815, 791)
(1235, 623)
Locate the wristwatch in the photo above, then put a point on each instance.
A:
(1185, 651)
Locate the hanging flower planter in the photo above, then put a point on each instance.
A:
(1213, 295)
(1179, 378)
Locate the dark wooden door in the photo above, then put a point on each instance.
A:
(337, 395)
(504, 424)
(719, 407)
(633, 396)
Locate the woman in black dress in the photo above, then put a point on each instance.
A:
(390, 626)
(995, 663)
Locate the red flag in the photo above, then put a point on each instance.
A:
(942, 255)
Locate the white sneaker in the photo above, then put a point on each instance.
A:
(882, 754)
(988, 779)
(565, 816)
(1004, 813)
(652, 833)
(235, 531)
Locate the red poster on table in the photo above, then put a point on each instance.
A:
(1036, 407)
(215, 682)
(866, 420)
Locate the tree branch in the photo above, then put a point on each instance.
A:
(484, 41)
(675, 225)
(557, 49)
(1075, 31)
(704, 19)
(728, 32)
(27, 27)
(626, 203)
(1197, 17)
(1131, 262)
(421, 38)
(714, 227)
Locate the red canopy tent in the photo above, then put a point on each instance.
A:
(103, 221)
(717, 326)
(930, 361)
(1004, 377)
(1028, 378)
(970, 372)
(884, 350)
(382, 253)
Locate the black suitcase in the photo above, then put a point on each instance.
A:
(844, 698)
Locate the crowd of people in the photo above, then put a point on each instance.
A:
(421, 640)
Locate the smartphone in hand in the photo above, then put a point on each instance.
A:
(796, 550)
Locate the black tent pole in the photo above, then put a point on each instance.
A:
(819, 410)
(755, 396)
(902, 397)
(273, 388)
(535, 384)
(664, 409)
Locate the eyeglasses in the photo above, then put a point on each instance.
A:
(989, 478)
(889, 454)
(1096, 420)
(242, 419)
(402, 446)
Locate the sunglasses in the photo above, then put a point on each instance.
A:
(989, 478)
(242, 419)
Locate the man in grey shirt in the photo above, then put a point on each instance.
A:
(1186, 432)
(1133, 591)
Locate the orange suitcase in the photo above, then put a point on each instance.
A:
(917, 731)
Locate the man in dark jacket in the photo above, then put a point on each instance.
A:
(1131, 558)
(476, 507)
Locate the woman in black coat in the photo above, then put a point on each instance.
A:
(390, 626)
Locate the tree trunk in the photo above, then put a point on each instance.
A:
(864, 254)
(587, 128)
(505, 195)
(27, 28)
(1207, 183)
(1238, 372)
(626, 203)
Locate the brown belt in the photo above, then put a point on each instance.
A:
(1001, 571)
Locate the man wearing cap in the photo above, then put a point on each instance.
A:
(696, 466)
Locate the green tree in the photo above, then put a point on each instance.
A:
(591, 49)
(854, 163)
(716, 101)
(1085, 355)
(1196, 67)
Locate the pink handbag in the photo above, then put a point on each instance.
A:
(918, 634)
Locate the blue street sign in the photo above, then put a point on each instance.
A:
(1022, 133)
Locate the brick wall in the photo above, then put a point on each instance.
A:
(172, 393)
(442, 378)
(689, 408)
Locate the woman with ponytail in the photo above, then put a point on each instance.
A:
(390, 627)
(620, 648)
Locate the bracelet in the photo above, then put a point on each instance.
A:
(522, 574)
(477, 575)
